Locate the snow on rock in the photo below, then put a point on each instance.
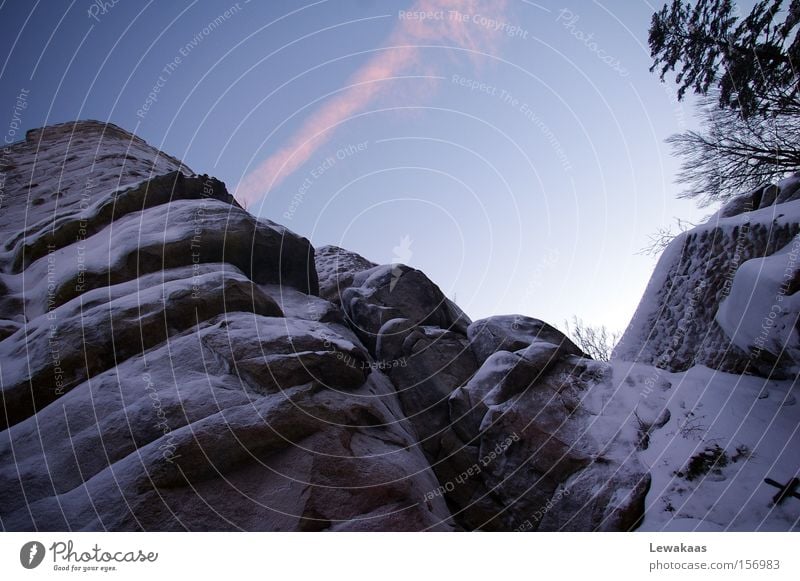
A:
(298, 305)
(336, 268)
(549, 455)
(787, 190)
(38, 239)
(760, 315)
(64, 168)
(397, 291)
(514, 332)
(675, 326)
(198, 445)
(43, 360)
(166, 366)
(169, 362)
(190, 233)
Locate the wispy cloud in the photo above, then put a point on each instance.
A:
(403, 53)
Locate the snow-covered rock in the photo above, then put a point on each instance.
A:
(788, 190)
(179, 439)
(397, 291)
(336, 268)
(166, 366)
(167, 363)
(157, 322)
(711, 440)
(36, 240)
(540, 451)
(64, 168)
(425, 364)
(762, 311)
(514, 332)
(56, 351)
(676, 326)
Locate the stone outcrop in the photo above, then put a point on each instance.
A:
(336, 268)
(170, 362)
(166, 364)
(531, 438)
(675, 326)
(397, 291)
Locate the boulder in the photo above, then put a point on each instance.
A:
(425, 364)
(515, 332)
(197, 445)
(189, 234)
(58, 350)
(65, 168)
(52, 233)
(397, 291)
(166, 365)
(761, 314)
(676, 325)
(336, 268)
(539, 452)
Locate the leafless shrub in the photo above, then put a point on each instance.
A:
(692, 427)
(661, 238)
(596, 341)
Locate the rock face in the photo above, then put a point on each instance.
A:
(170, 362)
(515, 332)
(108, 156)
(166, 365)
(761, 314)
(425, 364)
(677, 324)
(393, 291)
(336, 268)
(529, 437)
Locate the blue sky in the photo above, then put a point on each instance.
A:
(520, 164)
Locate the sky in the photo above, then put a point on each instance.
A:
(512, 150)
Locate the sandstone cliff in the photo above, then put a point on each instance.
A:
(170, 362)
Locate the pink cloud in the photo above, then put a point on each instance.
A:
(365, 85)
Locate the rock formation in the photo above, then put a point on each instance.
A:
(170, 362)
(166, 365)
(700, 296)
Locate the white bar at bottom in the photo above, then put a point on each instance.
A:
(404, 556)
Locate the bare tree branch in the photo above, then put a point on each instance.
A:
(731, 155)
